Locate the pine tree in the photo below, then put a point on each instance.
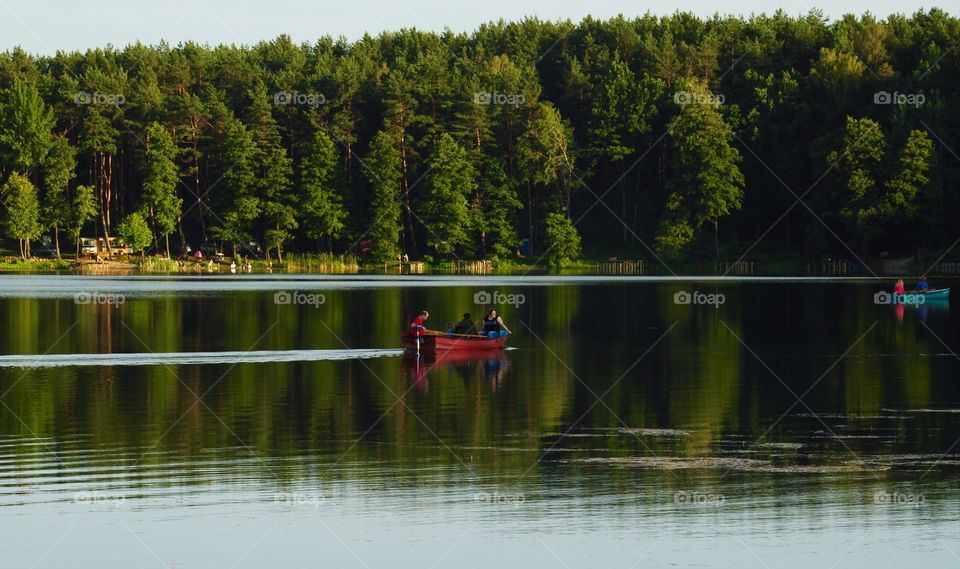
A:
(59, 169)
(274, 175)
(450, 180)
(161, 177)
(381, 168)
(493, 211)
(322, 206)
(26, 125)
(706, 182)
(239, 179)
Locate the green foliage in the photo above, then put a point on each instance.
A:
(880, 187)
(562, 240)
(26, 125)
(322, 205)
(706, 183)
(860, 162)
(161, 177)
(450, 180)
(381, 168)
(493, 212)
(59, 169)
(135, 232)
(23, 211)
(546, 154)
(239, 178)
(622, 110)
(84, 210)
(274, 180)
(199, 140)
(915, 163)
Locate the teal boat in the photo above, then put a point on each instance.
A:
(931, 293)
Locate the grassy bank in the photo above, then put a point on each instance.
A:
(17, 265)
(319, 263)
(158, 265)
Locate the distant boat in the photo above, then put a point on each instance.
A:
(931, 293)
(436, 342)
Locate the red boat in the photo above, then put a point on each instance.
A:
(435, 342)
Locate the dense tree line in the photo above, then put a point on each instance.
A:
(655, 135)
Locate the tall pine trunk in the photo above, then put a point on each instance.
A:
(716, 237)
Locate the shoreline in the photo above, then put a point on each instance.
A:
(774, 268)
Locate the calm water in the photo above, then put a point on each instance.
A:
(208, 423)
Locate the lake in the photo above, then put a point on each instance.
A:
(273, 421)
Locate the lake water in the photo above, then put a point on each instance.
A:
(273, 422)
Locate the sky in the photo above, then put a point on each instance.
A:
(47, 26)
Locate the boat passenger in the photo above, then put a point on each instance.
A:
(898, 288)
(465, 326)
(493, 326)
(922, 284)
(417, 327)
(450, 326)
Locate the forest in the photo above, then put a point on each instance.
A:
(645, 137)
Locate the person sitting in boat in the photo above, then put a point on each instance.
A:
(493, 326)
(465, 326)
(417, 327)
(450, 326)
(922, 284)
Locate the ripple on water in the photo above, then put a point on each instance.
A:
(923, 410)
(725, 463)
(606, 432)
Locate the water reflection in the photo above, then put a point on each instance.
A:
(492, 366)
(615, 401)
(922, 309)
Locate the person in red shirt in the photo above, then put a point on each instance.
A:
(417, 327)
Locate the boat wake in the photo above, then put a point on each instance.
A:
(190, 358)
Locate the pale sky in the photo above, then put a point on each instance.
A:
(45, 26)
